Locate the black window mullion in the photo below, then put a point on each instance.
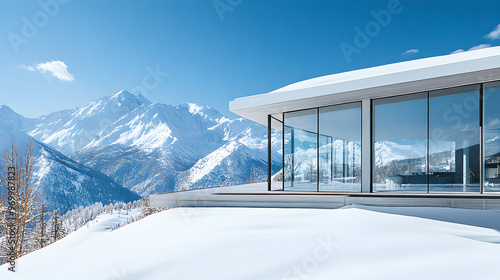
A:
(481, 139)
(283, 151)
(428, 145)
(317, 149)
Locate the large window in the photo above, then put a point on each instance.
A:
(426, 142)
(300, 145)
(340, 148)
(400, 143)
(491, 137)
(454, 140)
(276, 153)
(322, 149)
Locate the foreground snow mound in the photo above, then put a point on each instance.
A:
(242, 243)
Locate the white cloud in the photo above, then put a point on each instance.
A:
(478, 47)
(57, 69)
(26, 67)
(482, 46)
(412, 51)
(495, 34)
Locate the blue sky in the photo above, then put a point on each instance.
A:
(210, 52)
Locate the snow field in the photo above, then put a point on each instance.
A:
(356, 242)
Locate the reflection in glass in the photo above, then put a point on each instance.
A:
(454, 140)
(400, 143)
(340, 148)
(276, 154)
(491, 137)
(300, 143)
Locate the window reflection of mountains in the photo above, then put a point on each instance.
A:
(445, 167)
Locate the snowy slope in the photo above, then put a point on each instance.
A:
(240, 243)
(66, 184)
(12, 119)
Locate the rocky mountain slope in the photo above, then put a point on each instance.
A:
(152, 147)
(64, 183)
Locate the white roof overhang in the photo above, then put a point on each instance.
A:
(382, 81)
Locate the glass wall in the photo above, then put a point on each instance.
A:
(340, 148)
(421, 142)
(400, 143)
(491, 137)
(454, 140)
(300, 147)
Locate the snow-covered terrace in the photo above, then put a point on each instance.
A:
(256, 195)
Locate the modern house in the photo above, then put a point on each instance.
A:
(427, 126)
(417, 133)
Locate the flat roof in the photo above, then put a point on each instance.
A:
(425, 74)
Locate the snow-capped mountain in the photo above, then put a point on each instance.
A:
(163, 148)
(69, 131)
(151, 147)
(64, 183)
(11, 120)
